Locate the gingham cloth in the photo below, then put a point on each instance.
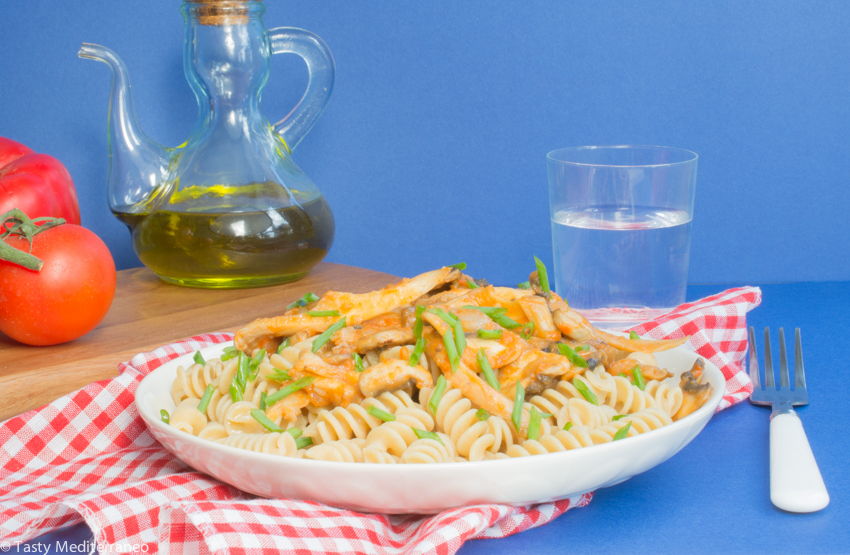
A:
(88, 457)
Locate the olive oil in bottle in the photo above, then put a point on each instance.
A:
(226, 249)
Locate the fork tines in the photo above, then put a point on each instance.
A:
(800, 396)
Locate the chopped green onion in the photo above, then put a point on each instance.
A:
(322, 313)
(567, 426)
(303, 301)
(229, 353)
(460, 338)
(303, 442)
(636, 372)
(519, 399)
(450, 319)
(487, 370)
(422, 434)
(542, 275)
(417, 325)
(571, 355)
(586, 392)
(242, 372)
(279, 376)
(205, 399)
(527, 330)
(545, 415)
(490, 334)
(255, 364)
(488, 310)
(437, 394)
(633, 335)
(163, 414)
(358, 362)
(199, 358)
(283, 345)
(459, 266)
(382, 414)
(471, 284)
(582, 348)
(482, 414)
(264, 420)
(289, 390)
(451, 349)
(524, 285)
(416, 355)
(534, 424)
(619, 416)
(505, 322)
(497, 314)
(322, 339)
(295, 432)
(622, 432)
(235, 392)
(263, 401)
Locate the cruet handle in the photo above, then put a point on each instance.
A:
(320, 65)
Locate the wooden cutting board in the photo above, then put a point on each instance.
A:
(148, 313)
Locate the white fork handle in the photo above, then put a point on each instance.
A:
(795, 481)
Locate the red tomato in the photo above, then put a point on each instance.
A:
(38, 184)
(67, 298)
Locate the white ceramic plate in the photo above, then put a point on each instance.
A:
(426, 488)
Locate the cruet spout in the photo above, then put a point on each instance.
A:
(137, 165)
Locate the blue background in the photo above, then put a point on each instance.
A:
(432, 148)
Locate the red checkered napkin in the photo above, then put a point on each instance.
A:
(89, 457)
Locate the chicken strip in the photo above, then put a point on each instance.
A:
(354, 307)
(574, 325)
(470, 383)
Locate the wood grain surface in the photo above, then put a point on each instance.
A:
(148, 313)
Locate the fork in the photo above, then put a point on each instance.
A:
(795, 481)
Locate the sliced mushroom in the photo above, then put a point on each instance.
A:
(384, 338)
(390, 375)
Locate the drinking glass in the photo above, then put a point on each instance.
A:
(621, 229)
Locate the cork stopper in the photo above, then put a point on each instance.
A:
(221, 12)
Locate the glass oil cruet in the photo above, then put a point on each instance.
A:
(228, 208)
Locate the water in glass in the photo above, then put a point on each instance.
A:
(629, 257)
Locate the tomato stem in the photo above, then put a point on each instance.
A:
(15, 222)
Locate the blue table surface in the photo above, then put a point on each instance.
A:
(714, 495)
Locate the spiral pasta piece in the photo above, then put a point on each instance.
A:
(218, 406)
(395, 436)
(225, 377)
(614, 391)
(648, 419)
(574, 438)
(427, 451)
(575, 410)
(344, 450)
(375, 455)
(213, 431)
(354, 421)
(258, 387)
(473, 437)
(668, 398)
(187, 417)
(391, 401)
(272, 444)
(605, 434)
(562, 440)
(342, 423)
(238, 420)
(191, 382)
